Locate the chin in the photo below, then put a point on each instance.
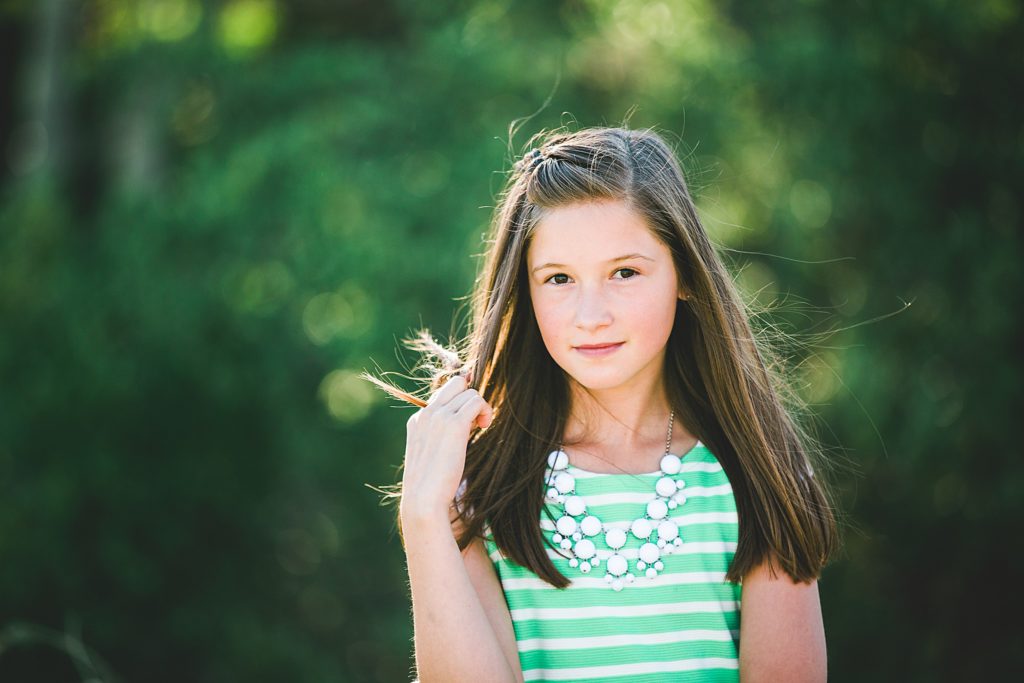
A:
(597, 380)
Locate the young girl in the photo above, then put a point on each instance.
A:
(609, 461)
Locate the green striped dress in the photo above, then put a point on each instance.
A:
(681, 625)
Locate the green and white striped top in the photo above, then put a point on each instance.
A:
(681, 625)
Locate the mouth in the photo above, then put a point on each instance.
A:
(598, 349)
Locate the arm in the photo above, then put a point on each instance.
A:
(782, 637)
(488, 588)
(453, 633)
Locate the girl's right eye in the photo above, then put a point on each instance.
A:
(557, 275)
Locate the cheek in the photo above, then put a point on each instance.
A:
(651, 320)
(655, 313)
(552, 323)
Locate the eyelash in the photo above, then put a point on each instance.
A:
(557, 284)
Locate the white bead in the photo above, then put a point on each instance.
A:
(668, 530)
(679, 498)
(577, 536)
(558, 460)
(661, 542)
(547, 473)
(585, 567)
(574, 562)
(629, 578)
(615, 538)
(552, 493)
(566, 543)
(596, 561)
(566, 525)
(651, 572)
(659, 565)
(680, 483)
(671, 464)
(673, 504)
(591, 526)
(678, 542)
(641, 528)
(585, 549)
(574, 505)
(617, 584)
(665, 487)
(608, 578)
(657, 509)
(641, 565)
(557, 538)
(649, 553)
(617, 565)
(669, 548)
(565, 482)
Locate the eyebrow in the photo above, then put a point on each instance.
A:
(614, 260)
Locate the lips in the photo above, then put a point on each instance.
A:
(598, 350)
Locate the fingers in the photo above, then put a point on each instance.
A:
(456, 393)
(475, 410)
(464, 397)
(453, 386)
(469, 405)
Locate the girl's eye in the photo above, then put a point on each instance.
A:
(631, 270)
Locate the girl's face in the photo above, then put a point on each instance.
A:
(598, 275)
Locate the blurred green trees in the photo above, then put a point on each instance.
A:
(215, 215)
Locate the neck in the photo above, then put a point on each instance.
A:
(620, 420)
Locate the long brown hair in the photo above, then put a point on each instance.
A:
(724, 382)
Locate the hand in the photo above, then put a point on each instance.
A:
(437, 436)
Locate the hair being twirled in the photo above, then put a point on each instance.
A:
(723, 381)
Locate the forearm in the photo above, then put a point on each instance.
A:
(453, 638)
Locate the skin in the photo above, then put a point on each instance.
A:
(592, 299)
(782, 635)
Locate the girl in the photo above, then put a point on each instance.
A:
(588, 493)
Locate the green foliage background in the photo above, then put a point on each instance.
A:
(213, 216)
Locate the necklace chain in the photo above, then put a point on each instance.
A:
(668, 439)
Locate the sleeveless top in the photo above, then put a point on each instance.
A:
(681, 625)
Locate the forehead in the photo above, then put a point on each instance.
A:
(591, 231)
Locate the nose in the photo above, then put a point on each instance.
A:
(592, 311)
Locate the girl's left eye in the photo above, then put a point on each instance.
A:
(631, 270)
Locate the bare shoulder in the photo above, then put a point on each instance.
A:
(782, 636)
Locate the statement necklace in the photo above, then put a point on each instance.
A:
(661, 534)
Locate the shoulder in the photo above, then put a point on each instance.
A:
(782, 636)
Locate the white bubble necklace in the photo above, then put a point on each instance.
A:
(573, 535)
